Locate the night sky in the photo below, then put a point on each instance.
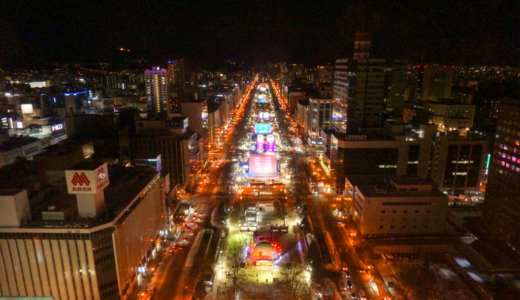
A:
(35, 33)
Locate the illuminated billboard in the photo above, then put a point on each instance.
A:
(87, 181)
(262, 100)
(263, 166)
(262, 128)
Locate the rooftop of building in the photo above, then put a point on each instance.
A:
(213, 106)
(10, 192)
(87, 165)
(126, 183)
(397, 187)
(16, 142)
(193, 100)
(63, 148)
(328, 131)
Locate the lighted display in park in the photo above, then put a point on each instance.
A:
(270, 143)
(260, 143)
(262, 128)
(263, 166)
(264, 115)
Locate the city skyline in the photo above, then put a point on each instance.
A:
(277, 150)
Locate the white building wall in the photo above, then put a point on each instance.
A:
(405, 219)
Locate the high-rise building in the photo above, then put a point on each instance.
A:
(502, 205)
(340, 81)
(198, 119)
(362, 45)
(341, 85)
(176, 73)
(156, 90)
(173, 142)
(319, 116)
(365, 108)
(325, 74)
(437, 83)
(395, 80)
(369, 155)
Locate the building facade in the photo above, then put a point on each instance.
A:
(341, 87)
(502, 206)
(46, 253)
(366, 108)
(395, 82)
(397, 206)
(437, 83)
(156, 90)
(319, 117)
(360, 155)
(361, 45)
(457, 165)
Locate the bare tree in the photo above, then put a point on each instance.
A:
(236, 262)
(294, 274)
(410, 277)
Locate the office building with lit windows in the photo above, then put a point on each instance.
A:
(457, 165)
(502, 204)
(341, 89)
(319, 117)
(91, 240)
(156, 90)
